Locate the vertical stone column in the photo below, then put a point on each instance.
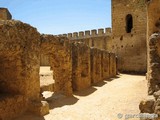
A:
(105, 64)
(59, 50)
(153, 26)
(81, 78)
(112, 63)
(62, 69)
(154, 63)
(96, 66)
(20, 64)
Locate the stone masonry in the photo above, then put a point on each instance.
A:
(129, 26)
(5, 14)
(152, 104)
(81, 65)
(58, 49)
(96, 67)
(19, 76)
(81, 72)
(92, 38)
(97, 39)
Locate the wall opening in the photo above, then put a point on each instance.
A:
(129, 23)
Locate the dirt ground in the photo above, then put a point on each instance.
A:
(46, 76)
(104, 101)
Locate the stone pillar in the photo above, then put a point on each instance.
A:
(105, 64)
(81, 78)
(154, 63)
(59, 50)
(19, 68)
(96, 66)
(112, 63)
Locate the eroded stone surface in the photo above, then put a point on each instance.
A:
(19, 68)
(81, 67)
(59, 51)
(147, 105)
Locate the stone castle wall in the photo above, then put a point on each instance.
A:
(94, 38)
(129, 46)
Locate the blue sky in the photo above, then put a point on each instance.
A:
(61, 16)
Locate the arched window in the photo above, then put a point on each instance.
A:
(129, 23)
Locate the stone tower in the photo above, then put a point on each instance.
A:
(5, 14)
(129, 26)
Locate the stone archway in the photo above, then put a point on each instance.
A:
(59, 51)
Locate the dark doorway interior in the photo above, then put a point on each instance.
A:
(129, 23)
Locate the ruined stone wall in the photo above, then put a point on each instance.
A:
(152, 103)
(91, 65)
(59, 51)
(19, 68)
(75, 65)
(153, 45)
(103, 65)
(129, 47)
(97, 39)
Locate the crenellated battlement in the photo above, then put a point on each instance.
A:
(88, 33)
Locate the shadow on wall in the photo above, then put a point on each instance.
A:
(29, 116)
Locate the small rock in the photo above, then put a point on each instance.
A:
(156, 94)
(147, 106)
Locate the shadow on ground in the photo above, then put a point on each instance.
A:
(100, 84)
(58, 100)
(85, 92)
(111, 79)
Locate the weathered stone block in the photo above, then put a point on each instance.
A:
(147, 105)
(20, 63)
(5, 14)
(39, 108)
(154, 63)
(10, 106)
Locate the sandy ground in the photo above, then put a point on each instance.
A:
(46, 76)
(106, 100)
